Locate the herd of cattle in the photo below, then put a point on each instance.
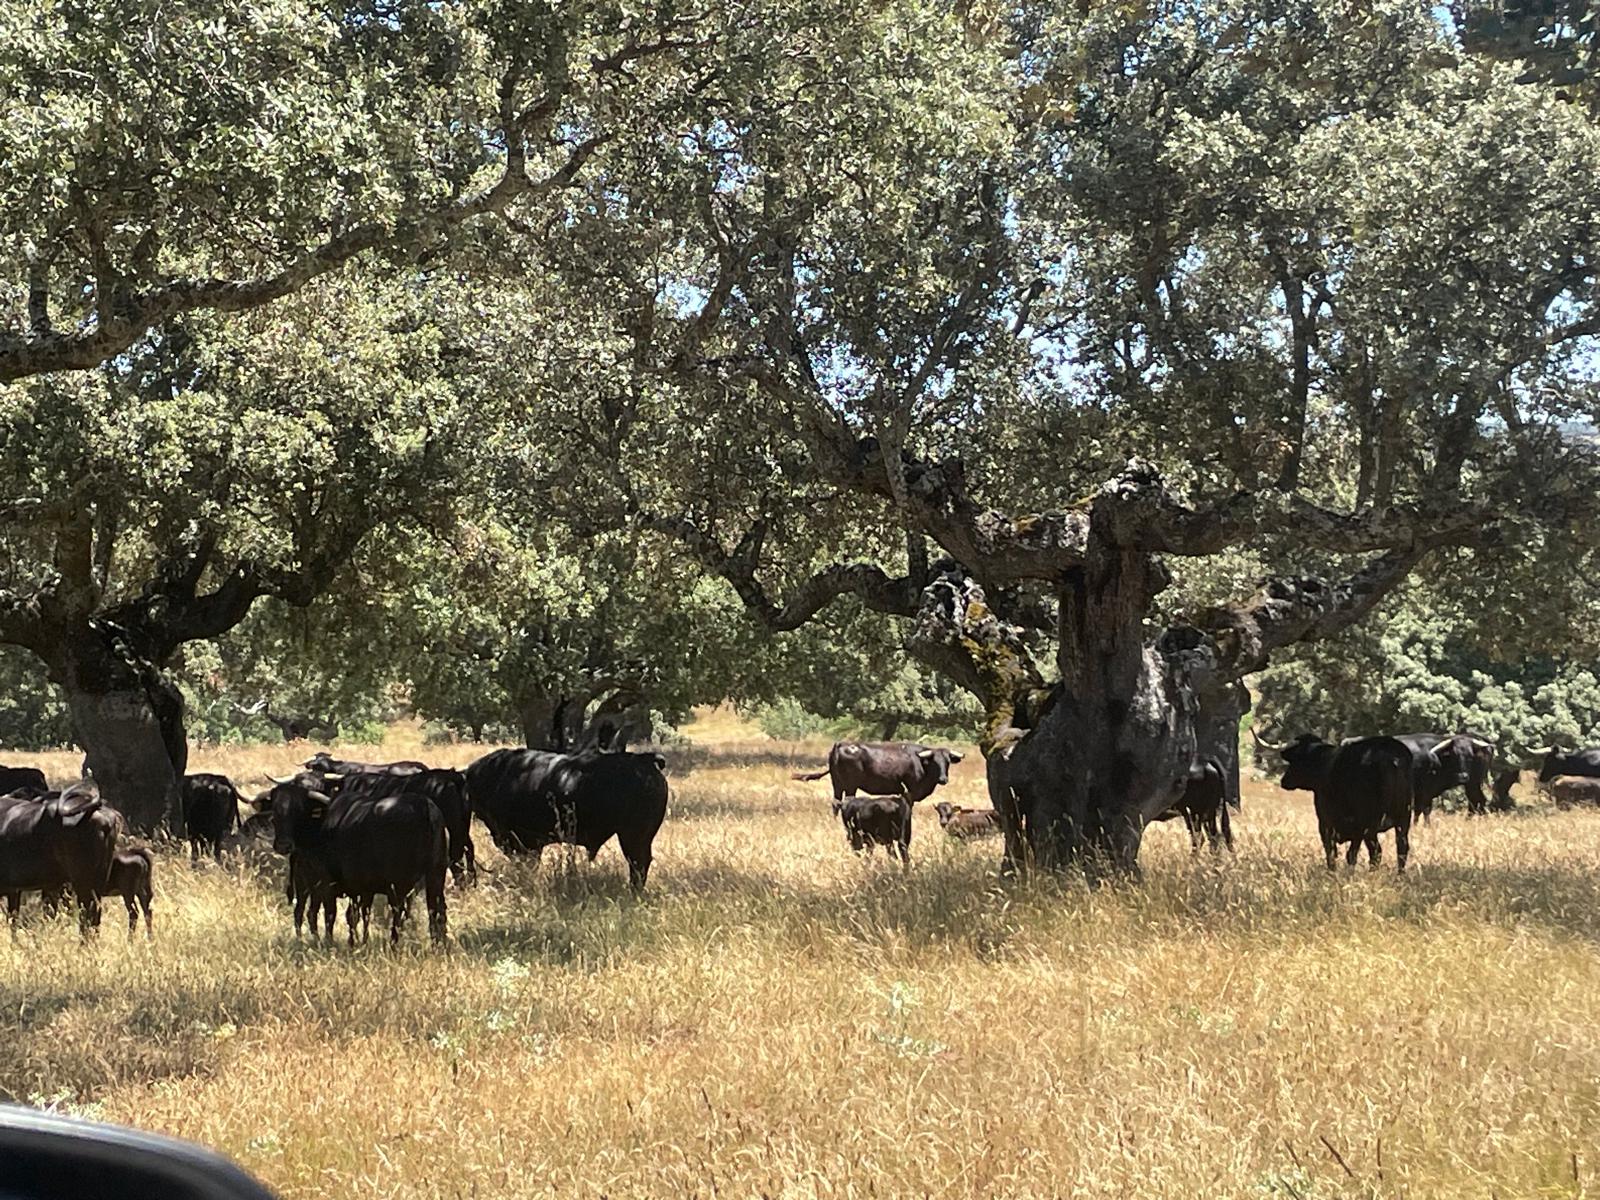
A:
(355, 830)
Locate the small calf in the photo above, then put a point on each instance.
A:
(1203, 805)
(877, 821)
(130, 878)
(965, 823)
(1568, 790)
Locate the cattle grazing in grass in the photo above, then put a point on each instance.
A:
(883, 769)
(877, 821)
(360, 846)
(57, 840)
(447, 789)
(1203, 805)
(131, 877)
(210, 807)
(1568, 791)
(22, 779)
(530, 799)
(1570, 762)
(964, 823)
(1441, 761)
(1362, 788)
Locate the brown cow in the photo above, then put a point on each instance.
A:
(1568, 790)
(877, 821)
(131, 872)
(966, 823)
(883, 769)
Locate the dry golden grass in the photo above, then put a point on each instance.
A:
(780, 1019)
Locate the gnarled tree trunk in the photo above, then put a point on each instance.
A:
(1114, 748)
(129, 719)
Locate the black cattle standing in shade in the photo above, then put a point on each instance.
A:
(530, 799)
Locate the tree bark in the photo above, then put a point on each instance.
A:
(538, 715)
(129, 719)
(1114, 748)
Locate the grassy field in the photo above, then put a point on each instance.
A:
(780, 1019)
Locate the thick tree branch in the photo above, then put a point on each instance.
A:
(1286, 611)
(868, 582)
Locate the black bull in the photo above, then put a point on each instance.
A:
(1362, 788)
(1441, 761)
(530, 799)
(1570, 762)
(448, 791)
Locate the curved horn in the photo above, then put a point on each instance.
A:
(275, 779)
(1435, 749)
(1266, 745)
(333, 776)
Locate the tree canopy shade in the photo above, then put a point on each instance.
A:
(998, 320)
(155, 501)
(1332, 287)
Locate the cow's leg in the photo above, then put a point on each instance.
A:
(194, 850)
(1374, 851)
(1402, 844)
(300, 913)
(438, 910)
(1351, 854)
(1227, 827)
(13, 905)
(1330, 846)
(472, 860)
(133, 914)
(1191, 822)
(216, 851)
(399, 906)
(352, 917)
(88, 911)
(145, 901)
(637, 852)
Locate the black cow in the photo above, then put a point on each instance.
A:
(1203, 804)
(30, 779)
(447, 789)
(360, 846)
(325, 764)
(884, 769)
(530, 799)
(1570, 762)
(210, 805)
(1362, 788)
(877, 821)
(54, 840)
(1441, 761)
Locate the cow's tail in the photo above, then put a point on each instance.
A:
(810, 776)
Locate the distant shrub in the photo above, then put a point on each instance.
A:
(787, 720)
(364, 733)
